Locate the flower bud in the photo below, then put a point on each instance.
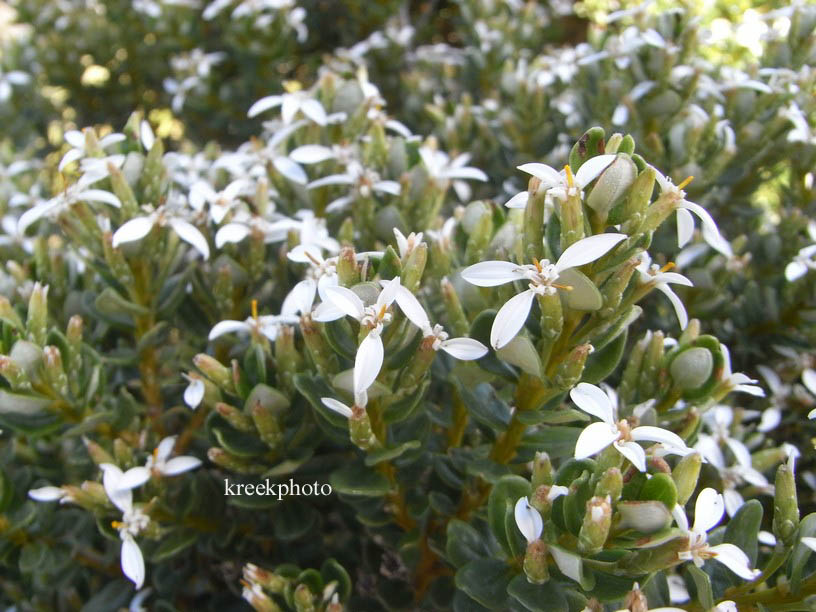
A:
(267, 424)
(535, 562)
(123, 191)
(652, 362)
(685, 475)
(223, 289)
(98, 454)
(7, 312)
(348, 274)
(73, 334)
(542, 470)
(595, 528)
(346, 232)
(612, 185)
(37, 321)
(414, 267)
(287, 357)
(28, 357)
(636, 601)
(304, 599)
(612, 290)
(54, 372)
(257, 253)
(552, 323)
(230, 462)
(691, 333)
(235, 417)
(14, 374)
(122, 453)
(691, 368)
(215, 371)
(322, 356)
(610, 485)
(534, 219)
(786, 506)
(570, 370)
(479, 238)
(153, 174)
(268, 580)
(360, 430)
(627, 390)
(254, 595)
(542, 499)
(571, 214)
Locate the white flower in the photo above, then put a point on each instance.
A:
(290, 104)
(597, 436)
(708, 511)
(363, 181)
(541, 277)
(460, 348)
(338, 406)
(407, 244)
(76, 139)
(442, 168)
(50, 493)
(134, 521)
(560, 185)
(444, 236)
(528, 520)
(139, 227)
(737, 381)
(221, 202)
(13, 77)
(194, 393)
(660, 278)
(267, 325)
(78, 192)
(685, 222)
(370, 353)
(805, 260)
(160, 463)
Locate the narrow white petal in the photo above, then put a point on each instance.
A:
(465, 349)
(179, 465)
(390, 187)
(100, 195)
(194, 393)
(467, 172)
(519, 200)
(228, 327)
(528, 520)
(290, 169)
(809, 380)
(338, 407)
(289, 107)
(685, 227)
(121, 498)
(733, 501)
(677, 303)
(134, 477)
(708, 510)
(230, 233)
(511, 318)
(311, 154)
(189, 233)
(593, 400)
(657, 434)
(592, 168)
(594, 438)
(734, 559)
(300, 298)
(135, 229)
(390, 288)
(795, 270)
(346, 300)
(412, 309)
(809, 542)
(368, 362)
(69, 157)
(492, 273)
(587, 250)
(46, 494)
(326, 311)
(132, 561)
(165, 448)
(680, 517)
(550, 177)
(741, 452)
(314, 110)
(146, 135)
(332, 179)
(634, 453)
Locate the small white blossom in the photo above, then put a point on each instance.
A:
(737, 381)
(77, 140)
(562, 184)
(290, 104)
(159, 461)
(528, 520)
(139, 227)
(660, 278)
(442, 168)
(194, 393)
(363, 181)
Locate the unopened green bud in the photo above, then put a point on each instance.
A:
(93, 492)
(628, 388)
(97, 454)
(7, 312)
(570, 370)
(154, 173)
(92, 143)
(479, 238)
(257, 253)
(217, 372)
(691, 368)
(542, 499)
(360, 430)
(122, 453)
(691, 333)
(268, 580)
(267, 424)
(613, 143)
(304, 599)
(261, 197)
(73, 334)
(254, 595)
(37, 321)
(595, 528)
(535, 562)
(420, 364)
(29, 357)
(235, 417)
(534, 219)
(54, 371)
(345, 235)
(123, 191)
(348, 273)
(786, 506)
(610, 484)
(572, 213)
(685, 475)
(613, 288)
(612, 185)
(318, 349)
(14, 374)
(632, 209)
(287, 357)
(457, 319)
(542, 470)
(765, 459)
(414, 267)
(230, 462)
(652, 360)
(552, 323)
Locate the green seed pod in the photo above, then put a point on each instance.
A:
(213, 369)
(610, 484)
(360, 429)
(570, 370)
(595, 528)
(37, 321)
(348, 274)
(612, 185)
(267, 424)
(685, 475)
(552, 323)
(786, 505)
(535, 562)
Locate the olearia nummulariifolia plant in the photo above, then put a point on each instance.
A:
(467, 392)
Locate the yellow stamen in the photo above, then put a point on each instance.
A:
(686, 182)
(570, 181)
(564, 287)
(311, 258)
(292, 86)
(537, 264)
(668, 266)
(383, 308)
(116, 524)
(254, 309)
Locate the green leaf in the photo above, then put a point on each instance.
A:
(115, 595)
(486, 407)
(406, 407)
(480, 330)
(313, 388)
(601, 363)
(390, 265)
(702, 584)
(174, 544)
(332, 571)
(661, 487)
(463, 543)
(801, 553)
(11, 403)
(341, 338)
(743, 529)
(521, 352)
(610, 588)
(268, 397)
(356, 479)
(558, 441)
(503, 497)
(485, 580)
(386, 454)
(293, 520)
(547, 597)
(109, 302)
(584, 294)
(238, 443)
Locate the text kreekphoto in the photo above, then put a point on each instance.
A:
(281, 490)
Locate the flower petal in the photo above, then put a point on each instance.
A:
(592, 168)
(133, 565)
(708, 509)
(46, 494)
(594, 438)
(290, 169)
(314, 110)
(135, 229)
(657, 434)
(346, 300)
(412, 309)
(519, 200)
(634, 453)
(492, 273)
(121, 498)
(528, 520)
(338, 407)
(300, 298)
(189, 233)
(465, 349)
(685, 227)
(368, 362)
(549, 176)
(593, 400)
(194, 393)
(311, 154)
(179, 465)
(734, 559)
(228, 327)
(134, 477)
(511, 318)
(587, 250)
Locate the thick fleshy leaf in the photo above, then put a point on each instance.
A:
(587, 250)
(338, 407)
(528, 520)
(492, 273)
(368, 362)
(133, 562)
(593, 400)
(511, 318)
(594, 438)
(135, 229)
(708, 510)
(189, 233)
(465, 349)
(592, 168)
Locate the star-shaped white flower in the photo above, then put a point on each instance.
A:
(462, 348)
(597, 436)
(78, 192)
(708, 511)
(139, 227)
(805, 259)
(541, 277)
(560, 185)
(737, 381)
(160, 463)
(660, 277)
(266, 325)
(221, 202)
(363, 181)
(194, 393)
(442, 168)
(290, 104)
(77, 140)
